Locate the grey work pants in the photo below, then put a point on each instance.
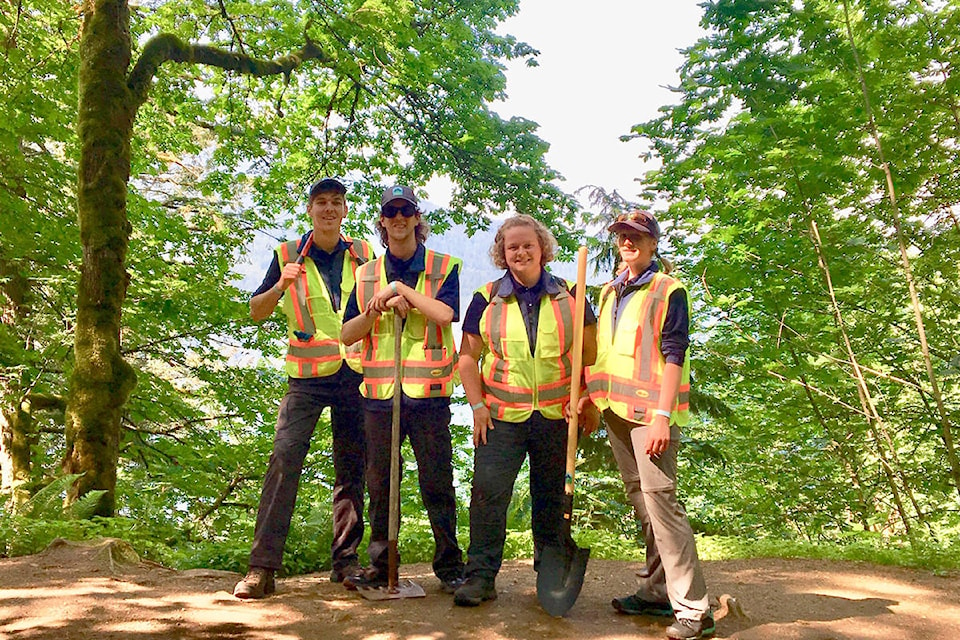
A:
(672, 571)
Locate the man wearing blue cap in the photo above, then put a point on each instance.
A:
(312, 276)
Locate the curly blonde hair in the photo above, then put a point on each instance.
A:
(548, 244)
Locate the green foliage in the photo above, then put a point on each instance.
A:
(773, 185)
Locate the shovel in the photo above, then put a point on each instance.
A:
(562, 566)
(395, 589)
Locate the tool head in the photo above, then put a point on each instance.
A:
(560, 577)
(404, 589)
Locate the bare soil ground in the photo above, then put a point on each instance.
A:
(80, 592)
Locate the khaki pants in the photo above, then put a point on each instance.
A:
(672, 571)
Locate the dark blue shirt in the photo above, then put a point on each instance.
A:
(528, 299)
(675, 336)
(408, 272)
(330, 266)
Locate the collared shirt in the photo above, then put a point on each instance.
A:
(408, 272)
(528, 299)
(330, 266)
(675, 336)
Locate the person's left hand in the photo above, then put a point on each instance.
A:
(400, 305)
(588, 415)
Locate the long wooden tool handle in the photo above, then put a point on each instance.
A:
(393, 526)
(579, 311)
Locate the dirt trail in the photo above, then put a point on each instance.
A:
(103, 591)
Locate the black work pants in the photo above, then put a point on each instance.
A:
(429, 433)
(299, 411)
(495, 468)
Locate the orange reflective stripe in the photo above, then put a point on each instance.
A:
(301, 306)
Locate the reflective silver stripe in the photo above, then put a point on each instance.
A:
(566, 320)
(320, 350)
(631, 394)
(511, 397)
(559, 393)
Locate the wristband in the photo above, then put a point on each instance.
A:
(661, 412)
(393, 287)
(477, 405)
(277, 289)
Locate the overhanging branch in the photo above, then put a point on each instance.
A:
(169, 48)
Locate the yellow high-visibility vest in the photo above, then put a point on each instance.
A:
(314, 349)
(515, 382)
(629, 368)
(428, 352)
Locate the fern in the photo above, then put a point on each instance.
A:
(85, 507)
(47, 503)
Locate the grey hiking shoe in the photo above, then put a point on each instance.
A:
(474, 591)
(634, 605)
(684, 629)
(256, 584)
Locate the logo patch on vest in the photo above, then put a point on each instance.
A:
(642, 393)
(436, 373)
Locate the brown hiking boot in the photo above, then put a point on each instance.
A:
(352, 569)
(256, 584)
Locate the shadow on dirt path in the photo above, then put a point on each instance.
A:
(81, 592)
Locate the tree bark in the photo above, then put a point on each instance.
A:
(101, 380)
(110, 94)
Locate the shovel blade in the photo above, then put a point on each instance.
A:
(560, 577)
(404, 589)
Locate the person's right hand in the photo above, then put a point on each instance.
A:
(289, 274)
(481, 424)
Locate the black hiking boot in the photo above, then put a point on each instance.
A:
(450, 585)
(685, 629)
(365, 579)
(256, 584)
(474, 591)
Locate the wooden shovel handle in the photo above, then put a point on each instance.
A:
(393, 527)
(579, 311)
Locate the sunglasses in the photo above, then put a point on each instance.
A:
(390, 211)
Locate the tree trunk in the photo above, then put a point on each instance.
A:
(101, 380)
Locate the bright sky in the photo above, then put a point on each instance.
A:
(604, 67)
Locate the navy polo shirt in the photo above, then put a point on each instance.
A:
(528, 299)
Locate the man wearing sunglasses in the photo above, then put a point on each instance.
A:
(312, 277)
(422, 286)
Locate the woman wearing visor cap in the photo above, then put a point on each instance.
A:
(641, 382)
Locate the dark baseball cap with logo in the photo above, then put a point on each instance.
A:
(398, 192)
(327, 185)
(636, 222)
